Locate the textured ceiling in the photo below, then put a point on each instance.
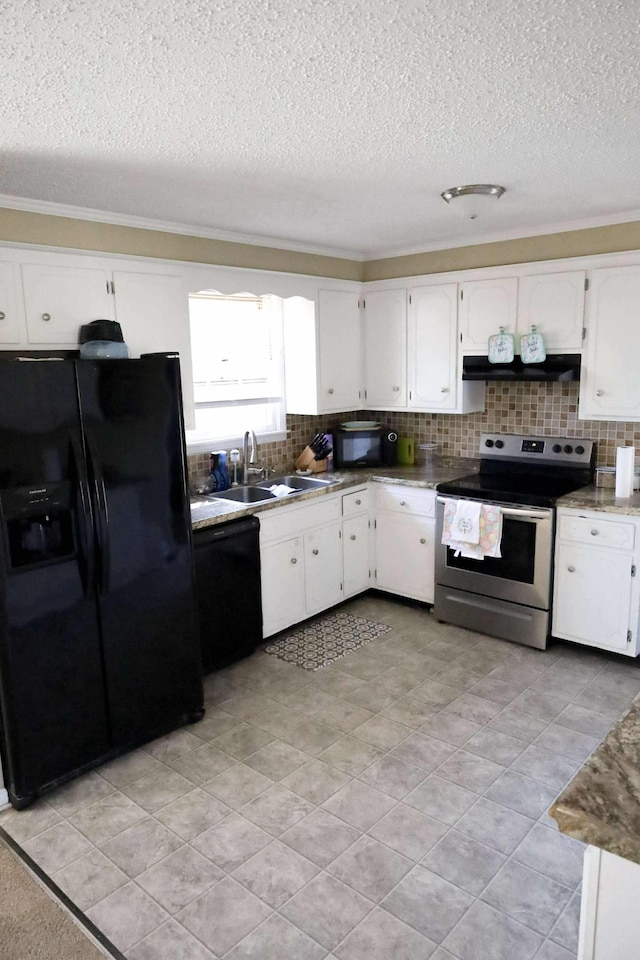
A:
(325, 122)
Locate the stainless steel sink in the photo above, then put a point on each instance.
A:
(297, 482)
(244, 495)
(260, 492)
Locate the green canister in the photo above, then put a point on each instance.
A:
(406, 451)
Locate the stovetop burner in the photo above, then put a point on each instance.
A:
(533, 471)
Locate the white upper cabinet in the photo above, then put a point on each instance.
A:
(610, 384)
(60, 299)
(432, 352)
(323, 353)
(11, 305)
(385, 337)
(485, 306)
(554, 304)
(153, 311)
(340, 385)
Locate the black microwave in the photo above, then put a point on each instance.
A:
(374, 447)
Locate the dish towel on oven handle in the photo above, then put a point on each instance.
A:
(464, 522)
(490, 531)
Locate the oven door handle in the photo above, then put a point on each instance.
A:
(512, 511)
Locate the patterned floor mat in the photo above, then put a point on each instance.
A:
(326, 640)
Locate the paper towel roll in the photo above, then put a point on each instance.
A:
(625, 461)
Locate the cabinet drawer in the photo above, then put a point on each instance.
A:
(410, 500)
(292, 520)
(353, 503)
(598, 533)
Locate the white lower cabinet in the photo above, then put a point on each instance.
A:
(405, 541)
(356, 541)
(323, 568)
(596, 595)
(609, 928)
(356, 554)
(301, 561)
(282, 585)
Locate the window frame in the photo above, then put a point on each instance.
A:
(195, 442)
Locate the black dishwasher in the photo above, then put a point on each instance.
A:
(227, 567)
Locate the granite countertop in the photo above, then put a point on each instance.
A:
(206, 512)
(601, 805)
(602, 500)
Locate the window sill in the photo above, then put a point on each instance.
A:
(229, 443)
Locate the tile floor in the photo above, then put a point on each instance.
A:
(393, 805)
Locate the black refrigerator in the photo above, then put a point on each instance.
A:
(99, 648)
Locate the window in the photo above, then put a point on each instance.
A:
(238, 370)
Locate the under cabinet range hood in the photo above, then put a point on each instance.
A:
(559, 366)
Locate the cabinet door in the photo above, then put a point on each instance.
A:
(432, 346)
(10, 305)
(355, 552)
(282, 574)
(59, 300)
(610, 385)
(405, 555)
(592, 596)
(323, 568)
(385, 338)
(485, 306)
(554, 303)
(340, 378)
(153, 311)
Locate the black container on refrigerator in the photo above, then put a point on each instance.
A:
(98, 638)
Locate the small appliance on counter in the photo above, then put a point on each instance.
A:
(102, 340)
(365, 443)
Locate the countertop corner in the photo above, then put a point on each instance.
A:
(601, 805)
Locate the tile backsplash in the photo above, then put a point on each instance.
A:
(543, 409)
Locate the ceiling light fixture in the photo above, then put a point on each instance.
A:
(474, 199)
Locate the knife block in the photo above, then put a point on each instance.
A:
(307, 461)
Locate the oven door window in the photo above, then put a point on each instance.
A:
(518, 548)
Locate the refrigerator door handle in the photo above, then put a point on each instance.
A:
(85, 527)
(102, 515)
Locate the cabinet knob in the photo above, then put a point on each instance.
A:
(294, 560)
(422, 540)
(46, 317)
(2, 314)
(358, 502)
(594, 532)
(599, 393)
(571, 569)
(396, 389)
(315, 552)
(444, 390)
(403, 503)
(353, 536)
(330, 390)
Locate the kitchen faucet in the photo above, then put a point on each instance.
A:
(246, 460)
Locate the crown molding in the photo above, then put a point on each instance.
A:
(498, 236)
(52, 209)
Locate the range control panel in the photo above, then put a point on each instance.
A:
(572, 451)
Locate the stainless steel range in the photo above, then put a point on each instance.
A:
(509, 596)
